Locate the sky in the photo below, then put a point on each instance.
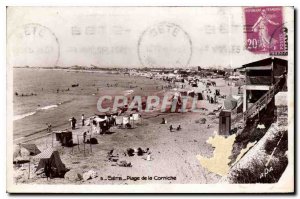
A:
(129, 36)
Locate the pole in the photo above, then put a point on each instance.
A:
(72, 148)
(46, 142)
(20, 149)
(52, 138)
(84, 148)
(29, 170)
(78, 143)
(132, 122)
(91, 143)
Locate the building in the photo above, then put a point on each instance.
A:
(261, 77)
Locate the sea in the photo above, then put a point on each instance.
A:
(49, 98)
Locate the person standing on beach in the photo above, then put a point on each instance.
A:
(179, 127)
(84, 137)
(171, 128)
(73, 123)
(215, 98)
(82, 119)
(49, 127)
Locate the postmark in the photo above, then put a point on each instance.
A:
(165, 44)
(98, 29)
(264, 30)
(33, 45)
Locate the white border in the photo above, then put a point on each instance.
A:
(118, 188)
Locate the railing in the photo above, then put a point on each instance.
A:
(259, 80)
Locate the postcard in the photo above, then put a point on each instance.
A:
(150, 99)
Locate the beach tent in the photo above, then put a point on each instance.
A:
(111, 113)
(170, 75)
(31, 148)
(99, 120)
(17, 152)
(200, 96)
(125, 120)
(183, 92)
(119, 120)
(51, 158)
(191, 93)
(230, 103)
(104, 126)
(64, 137)
(194, 84)
(239, 100)
(102, 123)
(135, 116)
(20, 154)
(199, 93)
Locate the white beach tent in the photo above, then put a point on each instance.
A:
(119, 120)
(125, 120)
(135, 116)
(99, 120)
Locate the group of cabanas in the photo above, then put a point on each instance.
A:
(49, 161)
(102, 123)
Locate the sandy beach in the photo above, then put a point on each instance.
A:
(173, 154)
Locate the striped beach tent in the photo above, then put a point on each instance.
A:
(50, 158)
(45, 154)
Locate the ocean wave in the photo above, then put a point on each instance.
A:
(18, 117)
(22, 116)
(128, 92)
(48, 107)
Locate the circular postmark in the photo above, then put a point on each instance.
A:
(33, 45)
(165, 45)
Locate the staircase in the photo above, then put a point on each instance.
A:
(262, 103)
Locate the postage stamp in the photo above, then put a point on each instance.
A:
(265, 31)
(169, 39)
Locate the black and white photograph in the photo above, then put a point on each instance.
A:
(150, 99)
